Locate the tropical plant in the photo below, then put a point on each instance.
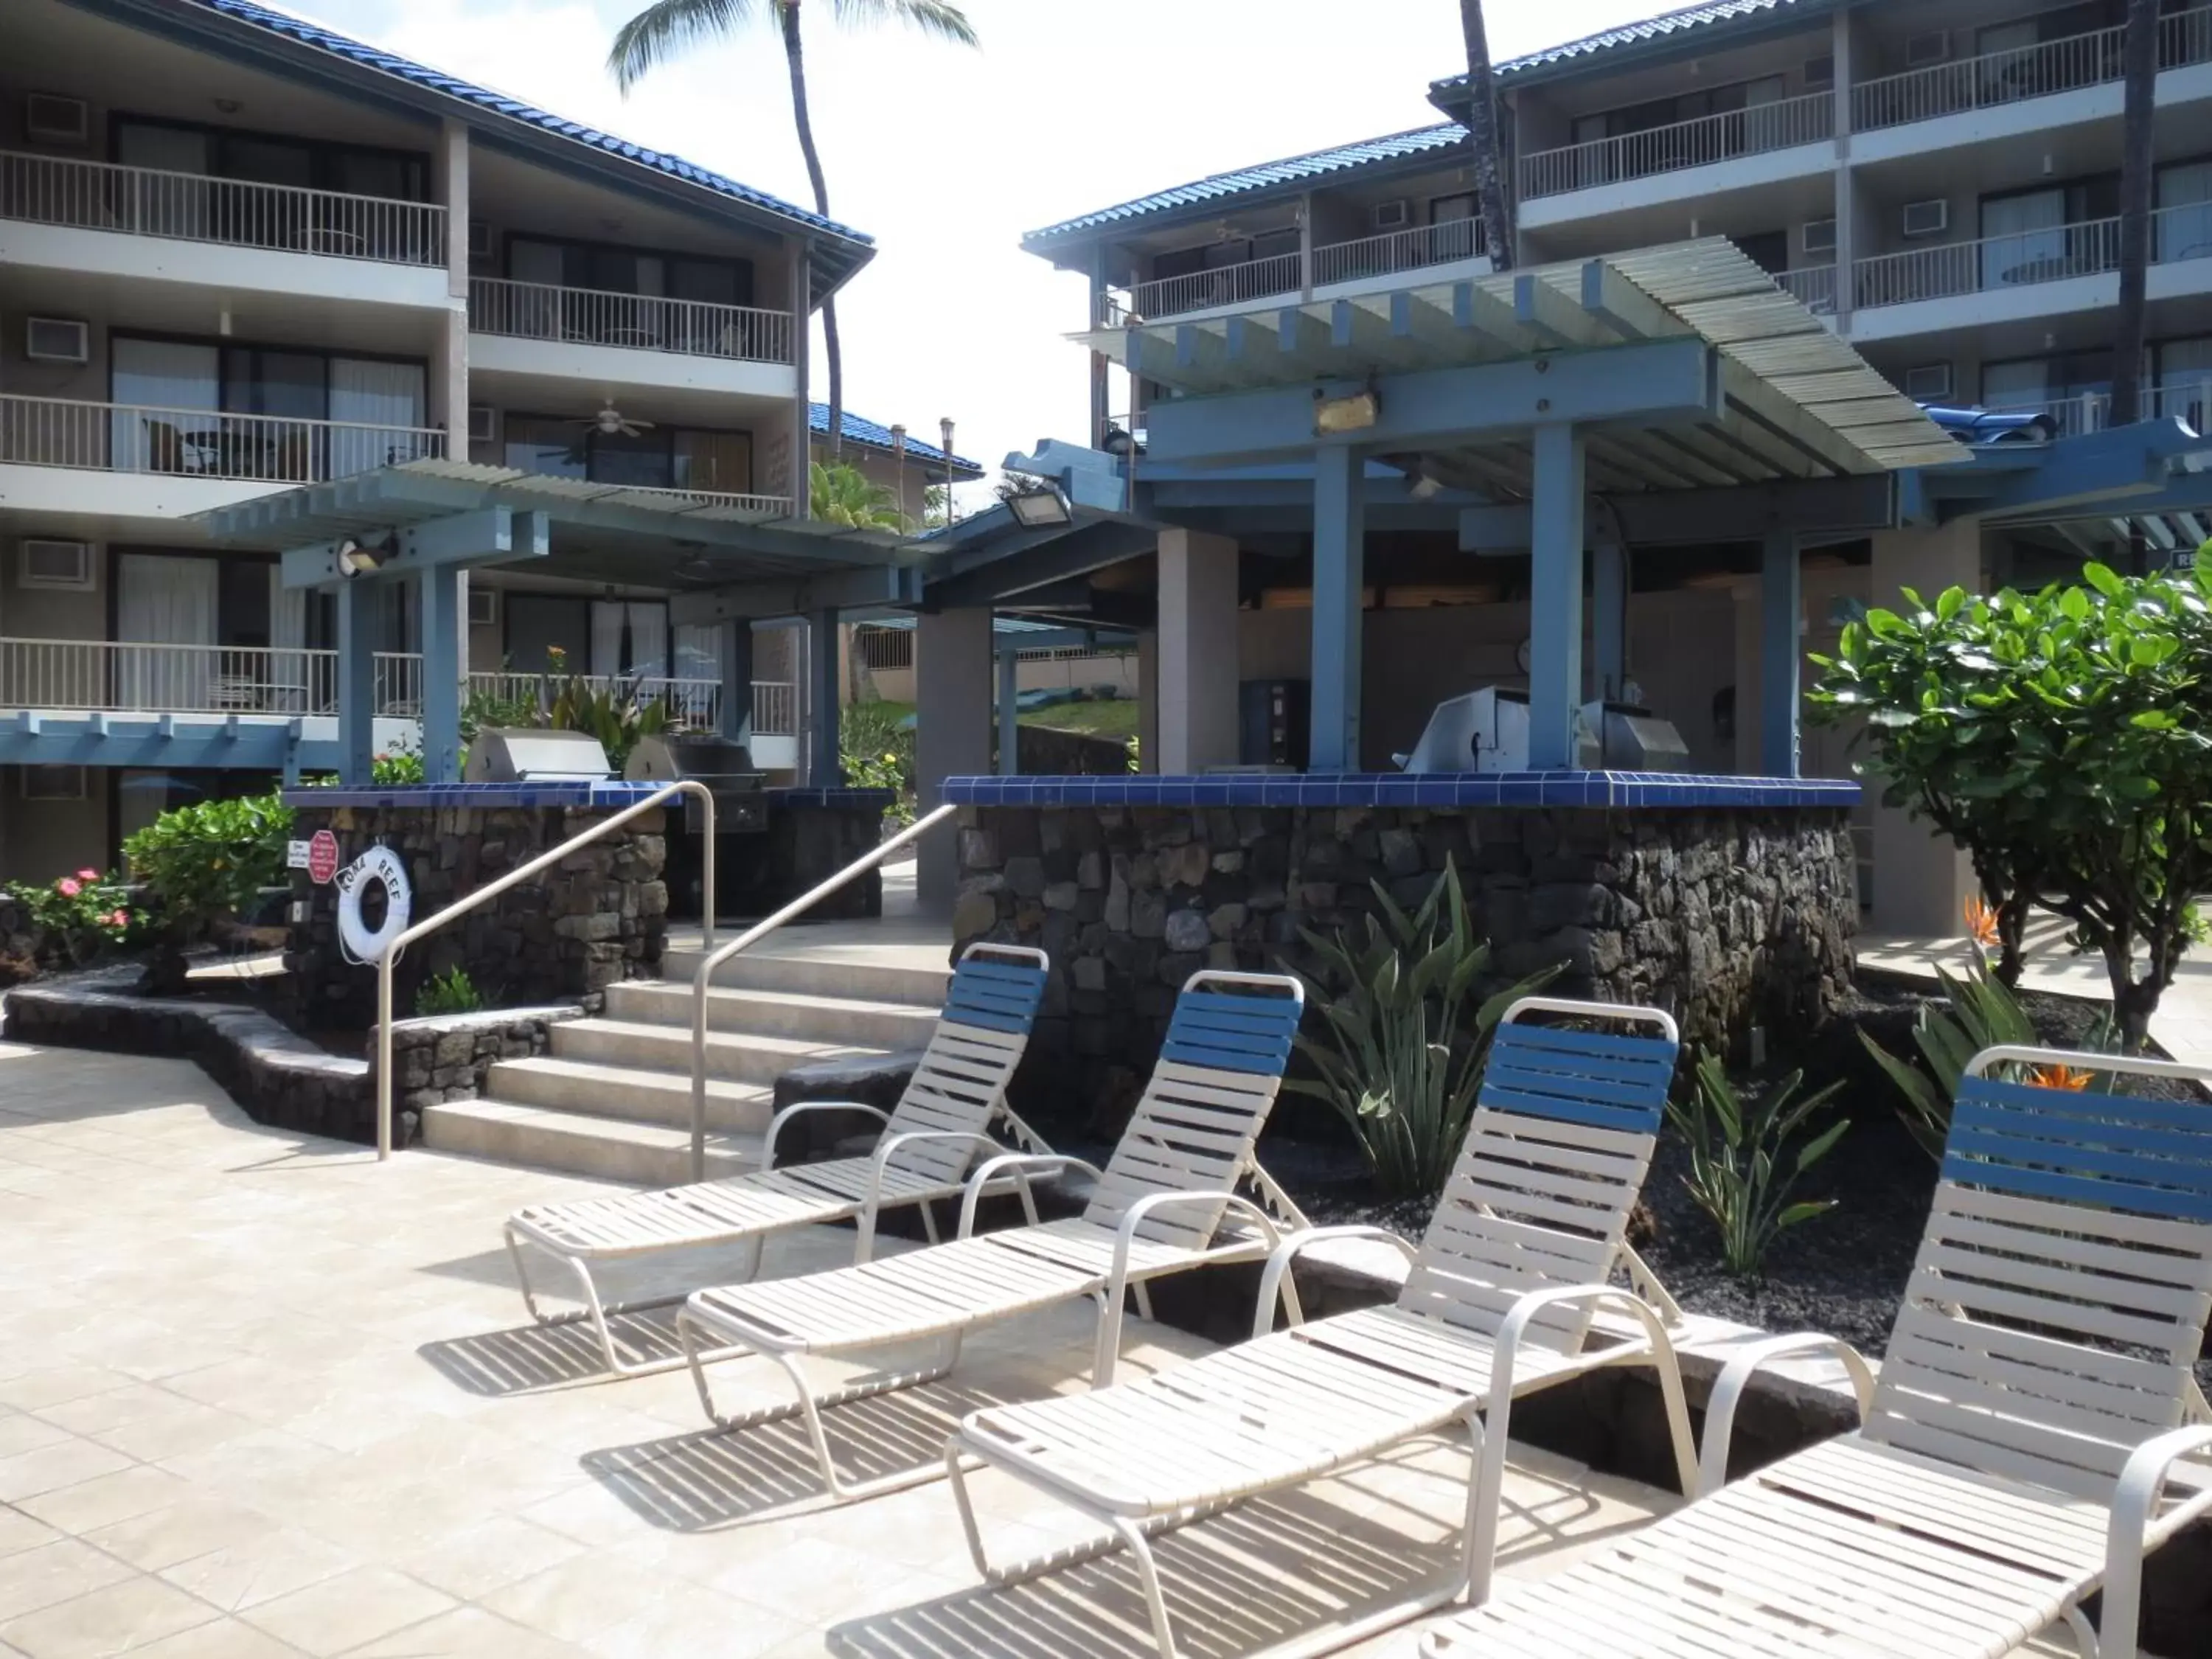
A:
(875, 750)
(1480, 118)
(450, 992)
(1743, 1168)
(615, 714)
(1403, 1040)
(76, 916)
(840, 492)
(204, 862)
(397, 767)
(666, 27)
(2064, 739)
(1980, 1012)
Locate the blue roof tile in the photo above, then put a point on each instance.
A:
(499, 103)
(859, 429)
(1650, 29)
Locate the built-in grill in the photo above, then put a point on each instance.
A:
(725, 766)
(531, 755)
(1487, 731)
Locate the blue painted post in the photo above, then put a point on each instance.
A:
(822, 769)
(1780, 605)
(1609, 624)
(1009, 751)
(1339, 577)
(358, 618)
(444, 608)
(737, 709)
(1555, 607)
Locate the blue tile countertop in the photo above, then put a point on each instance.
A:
(610, 795)
(1405, 789)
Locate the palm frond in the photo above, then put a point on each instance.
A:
(937, 18)
(667, 28)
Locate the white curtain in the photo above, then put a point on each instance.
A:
(648, 641)
(163, 601)
(2025, 239)
(608, 616)
(165, 376)
(386, 396)
(698, 657)
(2185, 219)
(292, 678)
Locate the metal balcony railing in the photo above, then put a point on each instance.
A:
(2188, 400)
(1285, 274)
(2050, 254)
(191, 207)
(1814, 287)
(1782, 125)
(202, 443)
(1398, 250)
(1228, 285)
(775, 709)
(2036, 71)
(537, 310)
(108, 677)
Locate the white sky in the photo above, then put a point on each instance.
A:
(945, 156)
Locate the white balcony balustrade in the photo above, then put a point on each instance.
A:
(1782, 125)
(106, 677)
(1813, 287)
(191, 207)
(1287, 275)
(1398, 250)
(538, 311)
(2051, 254)
(201, 443)
(2036, 71)
(2189, 401)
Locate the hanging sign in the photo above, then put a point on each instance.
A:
(322, 858)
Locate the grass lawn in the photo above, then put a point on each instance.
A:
(1117, 719)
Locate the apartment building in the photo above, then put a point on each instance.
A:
(239, 253)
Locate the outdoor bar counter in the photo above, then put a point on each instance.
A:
(1730, 901)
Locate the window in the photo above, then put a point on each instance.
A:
(271, 159)
(2183, 224)
(660, 458)
(53, 783)
(606, 269)
(2042, 235)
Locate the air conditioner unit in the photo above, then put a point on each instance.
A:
(64, 566)
(1921, 50)
(1817, 236)
(56, 340)
(50, 118)
(1820, 74)
(483, 425)
(53, 783)
(1391, 216)
(1929, 383)
(483, 606)
(1927, 218)
(479, 239)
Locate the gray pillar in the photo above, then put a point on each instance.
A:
(442, 602)
(737, 709)
(1609, 624)
(1780, 605)
(823, 698)
(1555, 607)
(952, 659)
(1010, 711)
(1339, 554)
(1197, 640)
(356, 622)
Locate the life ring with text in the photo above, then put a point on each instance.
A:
(376, 865)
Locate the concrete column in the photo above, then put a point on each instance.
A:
(1010, 711)
(824, 699)
(1609, 624)
(1148, 701)
(1921, 880)
(447, 396)
(1555, 606)
(358, 608)
(1339, 556)
(1745, 758)
(443, 604)
(1848, 243)
(736, 710)
(952, 658)
(1197, 667)
(1781, 604)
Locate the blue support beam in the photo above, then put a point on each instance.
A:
(1780, 605)
(356, 627)
(1010, 754)
(444, 607)
(736, 710)
(827, 686)
(166, 743)
(1555, 608)
(1339, 577)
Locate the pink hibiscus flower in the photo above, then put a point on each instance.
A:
(87, 875)
(69, 887)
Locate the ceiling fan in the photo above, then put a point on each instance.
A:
(611, 422)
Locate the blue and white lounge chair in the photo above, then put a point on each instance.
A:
(1164, 1202)
(2036, 1430)
(940, 1126)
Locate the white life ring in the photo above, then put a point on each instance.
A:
(379, 864)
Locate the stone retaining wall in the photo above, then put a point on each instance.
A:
(441, 1057)
(1728, 917)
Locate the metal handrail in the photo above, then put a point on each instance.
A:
(759, 930)
(523, 873)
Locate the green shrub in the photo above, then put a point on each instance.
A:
(1404, 1044)
(618, 716)
(1742, 1172)
(450, 992)
(211, 859)
(77, 915)
(400, 766)
(875, 752)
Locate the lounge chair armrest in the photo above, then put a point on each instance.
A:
(1125, 1236)
(882, 1156)
(1735, 1376)
(775, 1124)
(1021, 1166)
(2127, 1532)
(1525, 1308)
(1274, 1276)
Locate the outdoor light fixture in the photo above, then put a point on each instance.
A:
(1042, 510)
(354, 559)
(1354, 412)
(1425, 483)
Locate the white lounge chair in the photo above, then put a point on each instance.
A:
(941, 1124)
(1160, 1206)
(1497, 1303)
(2035, 1407)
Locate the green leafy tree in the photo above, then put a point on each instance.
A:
(2063, 739)
(667, 28)
(204, 862)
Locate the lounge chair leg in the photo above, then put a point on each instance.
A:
(1106, 1350)
(1669, 1367)
(1488, 1432)
(1148, 1574)
(2085, 1636)
(928, 1222)
(1143, 1293)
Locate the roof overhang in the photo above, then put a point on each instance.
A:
(1688, 32)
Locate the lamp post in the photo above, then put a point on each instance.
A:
(898, 465)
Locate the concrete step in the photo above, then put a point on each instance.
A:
(840, 1020)
(533, 1137)
(734, 1056)
(818, 976)
(622, 1092)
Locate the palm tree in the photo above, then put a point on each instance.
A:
(1481, 118)
(2139, 66)
(667, 28)
(840, 492)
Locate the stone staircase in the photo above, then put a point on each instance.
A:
(612, 1097)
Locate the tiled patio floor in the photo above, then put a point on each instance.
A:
(259, 1396)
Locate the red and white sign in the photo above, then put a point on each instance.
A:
(322, 858)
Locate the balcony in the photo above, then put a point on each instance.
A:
(2187, 400)
(2000, 78)
(96, 217)
(531, 337)
(1339, 268)
(1787, 124)
(1813, 287)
